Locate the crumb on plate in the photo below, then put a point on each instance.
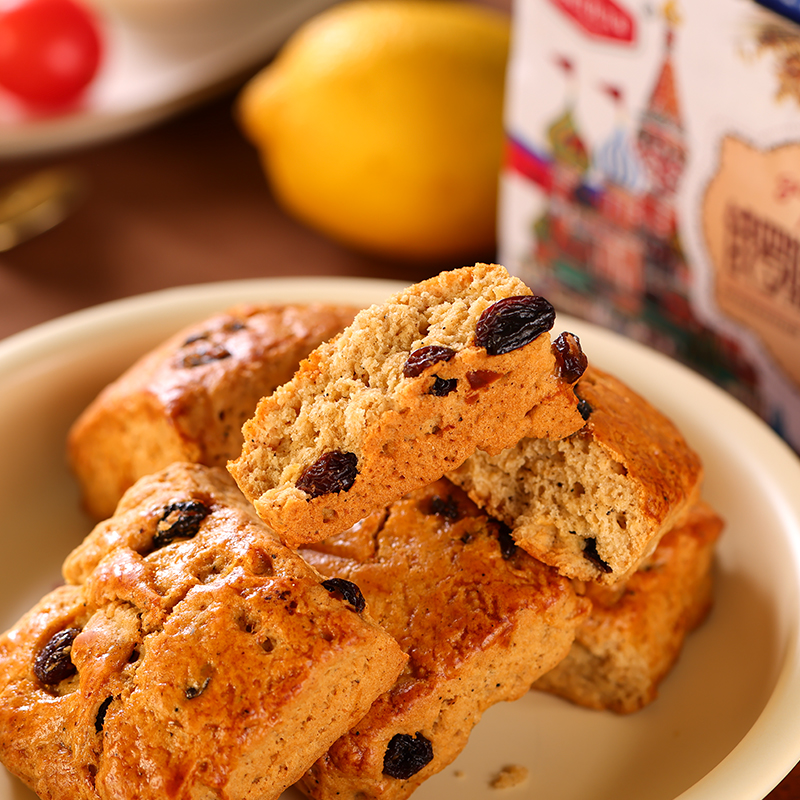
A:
(511, 775)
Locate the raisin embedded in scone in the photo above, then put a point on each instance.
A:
(479, 618)
(634, 634)
(403, 395)
(595, 504)
(192, 655)
(187, 399)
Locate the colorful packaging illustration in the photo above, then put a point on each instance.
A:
(652, 181)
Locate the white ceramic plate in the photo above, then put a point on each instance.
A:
(725, 726)
(148, 74)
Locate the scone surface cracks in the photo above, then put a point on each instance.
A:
(478, 617)
(210, 659)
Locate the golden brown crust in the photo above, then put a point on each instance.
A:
(479, 619)
(633, 637)
(187, 399)
(595, 504)
(211, 660)
(351, 396)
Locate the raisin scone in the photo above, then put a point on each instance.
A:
(191, 655)
(628, 644)
(403, 395)
(478, 617)
(595, 504)
(188, 398)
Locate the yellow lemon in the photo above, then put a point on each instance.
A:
(380, 124)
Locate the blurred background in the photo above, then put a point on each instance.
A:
(170, 146)
(160, 184)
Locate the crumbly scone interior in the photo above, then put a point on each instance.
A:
(351, 380)
(558, 494)
(502, 620)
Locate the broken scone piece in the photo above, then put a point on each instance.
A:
(191, 655)
(595, 504)
(187, 399)
(634, 635)
(479, 618)
(403, 395)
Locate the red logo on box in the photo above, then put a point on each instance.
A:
(602, 18)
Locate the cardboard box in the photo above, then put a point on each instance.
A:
(652, 180)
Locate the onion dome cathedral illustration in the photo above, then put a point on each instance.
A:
(607, 246)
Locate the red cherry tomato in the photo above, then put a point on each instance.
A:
(49, 51)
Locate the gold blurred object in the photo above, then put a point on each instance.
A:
(380, 124)
(36, 203)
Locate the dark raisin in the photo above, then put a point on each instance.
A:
(348, 590)
(420, 359)
(406, 755)
(196, 337)
(442, 386)
(570, 358)
(331, 472)
(584, 407)
(204, 354)
(445, 507)
(180, 521)
(100, 719)
(195, 690)
(508, 546)
(478, 378)
(590, 554)
(53, 663)
(513, 322)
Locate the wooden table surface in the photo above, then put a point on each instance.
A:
(182, 203)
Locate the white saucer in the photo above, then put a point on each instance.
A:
(147, 75)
